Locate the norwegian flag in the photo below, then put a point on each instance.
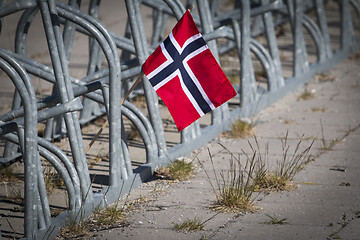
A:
(185, 74)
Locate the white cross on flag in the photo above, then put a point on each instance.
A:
(185, 74)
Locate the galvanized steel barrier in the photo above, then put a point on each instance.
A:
(238, 28)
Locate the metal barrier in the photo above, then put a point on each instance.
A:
(101, 89)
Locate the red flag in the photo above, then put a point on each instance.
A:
(185, 74)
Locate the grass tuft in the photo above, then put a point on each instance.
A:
(275, 220)
(179, 170)
(327, 144)
(52, 180)
(324, 77)
(234, 187)
(109, 216)
(189, 225)
(290, 164)
(7, 173)
(241, 129)
(317, 109)
(73, 229)
(204, 237)
(288, 121)
(77, 227)
(306, 95)
(15, 195)
(273, 182)
(280, 178)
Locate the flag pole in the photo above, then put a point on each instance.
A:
(107, 121)
(133, 87)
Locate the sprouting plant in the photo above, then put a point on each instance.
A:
(204, 237)
(7, 173)
(275, 220)
(292, 163)
(52, 180)
(241, 129)
(318, 109)
(234, 187)
(285, 170)
(75, 222)
(110, 216)
(288, 121)
(178, 170)
(16, 195)
(325, 145)
(306, 95)
(343, 224)
(190, 225)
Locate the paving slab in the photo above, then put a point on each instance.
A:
(327, 189)
(351, 231)
(325, 203)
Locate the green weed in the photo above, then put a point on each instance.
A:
(343, 224)
(179, 170)
(275, 220)
(204, 237)
(324, 77)
(8, 174)
(306, 95)
(287, 121)
(15, 195)
(286, 168)
(52, 180)
(290, 164)
(317, 109)
(326, 146)
(108, 216)
(189, 225)
(234, 187)
(240, 129)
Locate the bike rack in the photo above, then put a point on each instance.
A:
(102, 88)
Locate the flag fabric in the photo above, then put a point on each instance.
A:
(186, 75)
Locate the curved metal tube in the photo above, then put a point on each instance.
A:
(30, 154)
(68, 165)
(150, 153)
(266, 61)
(146, 123)
(117, 168)
(73, 198)
(315, 32)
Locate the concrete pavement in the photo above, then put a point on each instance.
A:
(325, 203)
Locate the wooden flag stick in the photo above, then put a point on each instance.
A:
(191, 7)
(107, 121)
(96, 136)
(133, 87)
